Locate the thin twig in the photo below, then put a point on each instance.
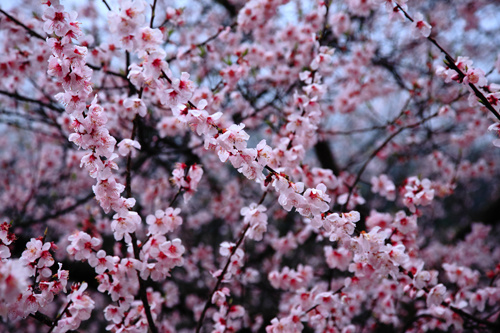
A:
(451, 62)
(195, 46)
(142, 288)
(221, 277)
(97, 68)
(464, 314)
(30, 100)
(379, 148)
(54, 325)
(62, 211)
(107, 6)
(176, 196)
(153, 8)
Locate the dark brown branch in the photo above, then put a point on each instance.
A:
(466, 315)
(97, 68)
(30, 100)
(410, 323)
(221, 277)
(176, 196)
(128, 177)
(27, 128)
(205, 42)
(106, 4)
(128, 190)
(29, 30)
(325, 156)
(142, 288)
(44, 319)
(451, 63)
(391, 68)
(153, 8)
(229, 7)
(54, 325)
(62, 211)
(379, 148)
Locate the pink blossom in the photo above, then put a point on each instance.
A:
(125, 225)
(340, 23)
(420, 26)
(82, 245)
(436, 295)
(33, 250)
(475, 76)
(134, 106)
(149, 39)
(384, 186)
(340, 258)
(56, 20)
(164, 221)
(101, 262)
(255, 216)
(495, 127)
(127, 146)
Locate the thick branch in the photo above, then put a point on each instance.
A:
(325, 156)
(231, 9)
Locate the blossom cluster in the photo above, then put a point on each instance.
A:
(20, 295)
(293, 133)
(187, 182)
(67, 64)
(417, 192)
